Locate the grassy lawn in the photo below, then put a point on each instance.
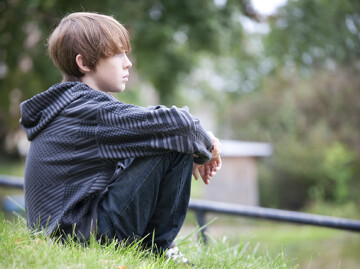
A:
(21, 249)
(303, 245)
(233, 243)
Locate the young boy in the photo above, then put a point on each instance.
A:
(99, 165)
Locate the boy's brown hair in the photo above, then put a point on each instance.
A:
(92, 35)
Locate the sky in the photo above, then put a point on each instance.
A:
(263, 7)
(267, 7)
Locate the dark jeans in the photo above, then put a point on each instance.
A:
(149, 199)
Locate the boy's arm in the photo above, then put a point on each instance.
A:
(130, 131)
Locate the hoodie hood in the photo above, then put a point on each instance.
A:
(39, 111)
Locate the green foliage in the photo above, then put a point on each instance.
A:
(316, 33)
(339, 167)
(12, 168)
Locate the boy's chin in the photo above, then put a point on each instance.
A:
(117, 90)
(121, 90)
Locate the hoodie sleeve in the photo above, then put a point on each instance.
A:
(130, 131)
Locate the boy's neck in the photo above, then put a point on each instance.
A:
(67, 78)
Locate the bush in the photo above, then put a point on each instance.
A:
(312, 124)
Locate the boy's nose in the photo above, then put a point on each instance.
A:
(127, 64)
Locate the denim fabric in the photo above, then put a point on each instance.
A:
(149, 199)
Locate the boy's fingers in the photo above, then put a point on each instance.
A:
(196, 171)
(218, 162)
(206, 179)
(208, 170)
(203, 173)
(195, 174)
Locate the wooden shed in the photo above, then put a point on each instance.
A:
(237, 181)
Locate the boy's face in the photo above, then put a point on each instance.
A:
(111, 74)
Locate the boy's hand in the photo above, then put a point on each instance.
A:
(208, 170)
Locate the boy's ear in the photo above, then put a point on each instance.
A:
(80, 63)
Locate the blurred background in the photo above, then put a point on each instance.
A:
(283, 73)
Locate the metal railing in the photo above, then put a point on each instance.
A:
(11, 181)
(201, 207)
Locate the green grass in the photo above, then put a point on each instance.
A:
(304, 246)
(20, 248)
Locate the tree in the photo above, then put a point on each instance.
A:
(166, 36)
(320, 33)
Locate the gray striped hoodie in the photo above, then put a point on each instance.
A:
(78, 138)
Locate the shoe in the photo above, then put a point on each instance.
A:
(174, 253)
